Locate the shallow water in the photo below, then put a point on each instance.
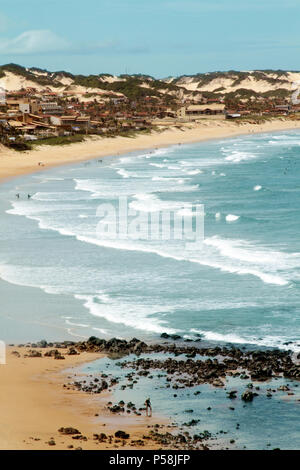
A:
(240, 286)
(265, 423)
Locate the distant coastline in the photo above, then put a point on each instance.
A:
(13, 164)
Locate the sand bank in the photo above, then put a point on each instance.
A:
(34, 405)
(15, 163)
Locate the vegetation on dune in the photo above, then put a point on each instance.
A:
(237, 77)
(133, 86)
(60, 140)
(22, 146)
(23, 72)
(130, 86)
(279, 93)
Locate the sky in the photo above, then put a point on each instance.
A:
(156, 37)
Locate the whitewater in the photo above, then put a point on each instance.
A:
(240, 286)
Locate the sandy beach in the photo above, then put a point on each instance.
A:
(15, 163)
(34, 405)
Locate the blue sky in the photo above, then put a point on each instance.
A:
(156, 37)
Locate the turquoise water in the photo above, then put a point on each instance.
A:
(265, 423)
(240, 286)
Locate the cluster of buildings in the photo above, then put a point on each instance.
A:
(220, 109)
(30, 114)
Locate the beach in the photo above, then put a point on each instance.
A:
(102, 295)
(34, 405)
(57, 396)
(15, 163)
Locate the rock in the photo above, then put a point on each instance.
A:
(116, 409)
(33, 354)
(193, 422)
(79, 437)
(16, 353)
(72, 352)
(54, 353)
(232, 394)
(218, 383)
(58, 355)
(138, 442)
(165, 335)
(52, 442)
(283, 388)
(248, 395)
(122, 435)
(69, 431)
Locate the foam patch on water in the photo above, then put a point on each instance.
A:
(122, 172)
(152, 203)
(232, 217)
(194, 172)
(134, 315)
(158, 165)
(80, 325)
(239, 156)
(115, 188)
(57, 196)
(267, 341)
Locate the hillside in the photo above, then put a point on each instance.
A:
(15, 78)
(268, 83)
(274, 83)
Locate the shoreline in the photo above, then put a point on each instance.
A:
(46, 403)
(14, 164)
(35, 403)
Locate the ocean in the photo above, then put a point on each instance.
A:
(61, 280)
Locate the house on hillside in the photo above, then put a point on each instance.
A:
(71, 123)
(282, 109)
(51, 107)
(17, 105)
(198, 111)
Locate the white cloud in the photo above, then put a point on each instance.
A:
(46, 42)
(33, 42)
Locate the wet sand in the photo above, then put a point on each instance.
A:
(34, 404)
(14, 163)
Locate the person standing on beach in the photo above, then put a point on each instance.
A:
(148, 407)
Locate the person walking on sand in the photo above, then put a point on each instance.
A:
(148, 407)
